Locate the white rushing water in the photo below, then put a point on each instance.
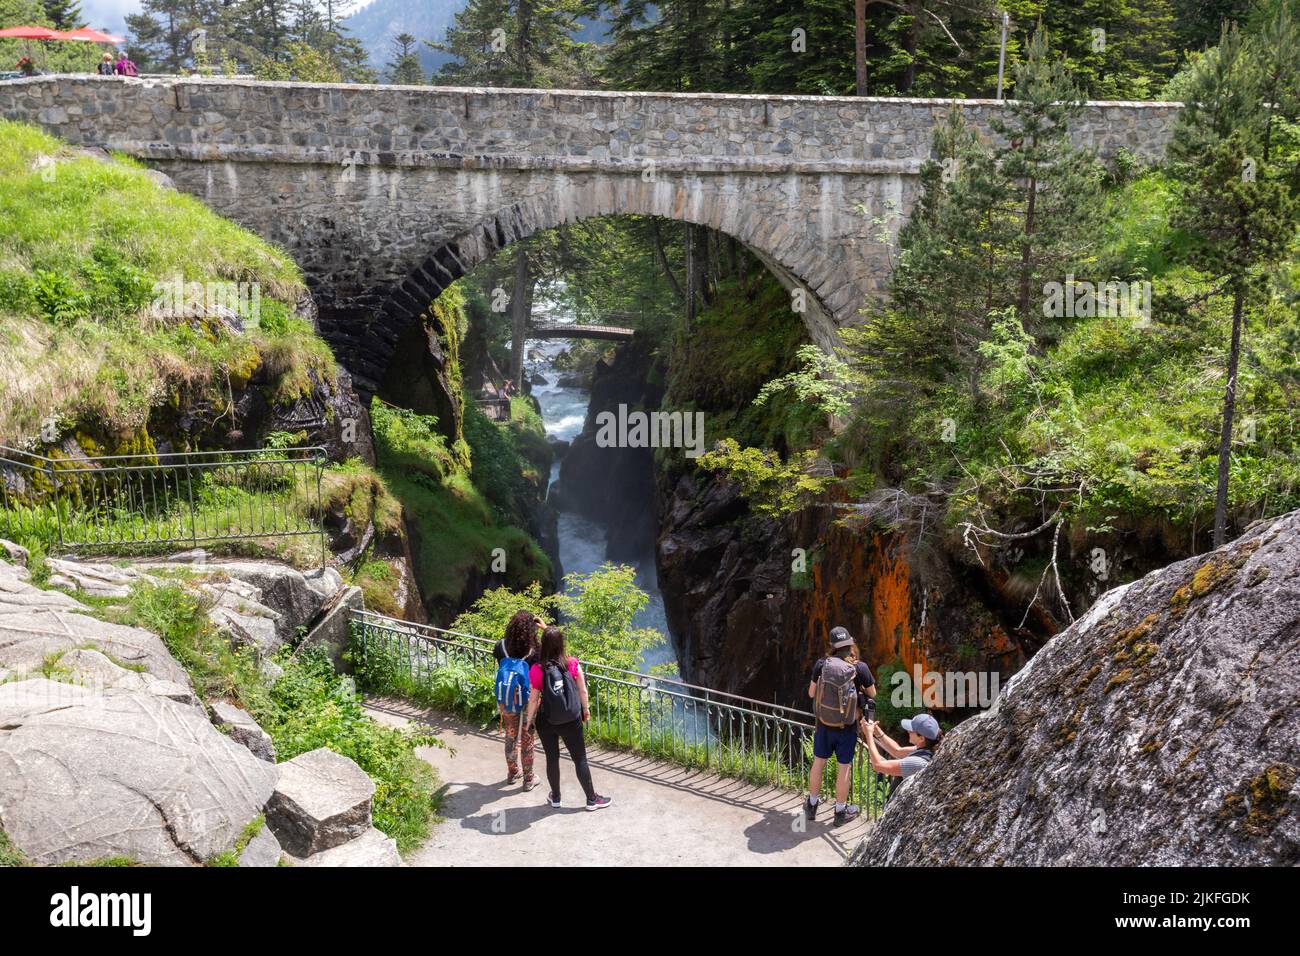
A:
(582, 541)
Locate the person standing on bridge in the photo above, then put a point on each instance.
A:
(841, 687)
(520, 648)
(125, 66)
(559, 706)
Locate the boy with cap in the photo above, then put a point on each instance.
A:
(840, 687)
(924, 737)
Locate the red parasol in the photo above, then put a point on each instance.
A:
(30, 33)
(90, 36)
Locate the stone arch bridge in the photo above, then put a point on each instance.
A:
(385, 194)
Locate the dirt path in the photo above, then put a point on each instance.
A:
(662, 815)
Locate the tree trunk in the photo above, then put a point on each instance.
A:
(1225, 432)
(690, 275)
(1025, 256)
(700, 257)
(663, 260)
(519, 319)
(909, 47)
(860, 45)
(715, 263)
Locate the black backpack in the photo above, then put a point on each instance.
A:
(560, 703)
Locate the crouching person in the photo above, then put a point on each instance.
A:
(841, 687)
(923, 735)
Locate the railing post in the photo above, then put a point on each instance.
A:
(58, 513)
(189, 494)
(320, 511)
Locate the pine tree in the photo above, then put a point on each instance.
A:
(993, 226)
(160, 34)
(517, 43)
(1055, 186)
(1236, 208)
(64, 14)
(670, 45)
(1114, 49)
(405, 67)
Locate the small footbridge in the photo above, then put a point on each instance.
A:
(569, 330)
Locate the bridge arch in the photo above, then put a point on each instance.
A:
(795, 257)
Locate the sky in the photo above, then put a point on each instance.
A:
(112, 13)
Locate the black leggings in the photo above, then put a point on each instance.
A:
(571, 734)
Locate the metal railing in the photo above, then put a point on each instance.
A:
(154, 501)
(660, 717)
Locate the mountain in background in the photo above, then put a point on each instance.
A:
(108, 15)
(377, 24)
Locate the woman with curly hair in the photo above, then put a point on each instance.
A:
(519, 648)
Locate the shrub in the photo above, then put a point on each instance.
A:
(311, 706)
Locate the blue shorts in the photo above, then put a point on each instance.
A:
(841, 741)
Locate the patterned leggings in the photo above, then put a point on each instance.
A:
(518, 740)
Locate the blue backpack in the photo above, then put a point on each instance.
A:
(512, 684)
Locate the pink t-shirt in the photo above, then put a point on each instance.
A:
(535, 674)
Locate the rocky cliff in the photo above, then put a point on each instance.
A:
(615, 486)
(108, 752)
(1161, 728)
(751, 599)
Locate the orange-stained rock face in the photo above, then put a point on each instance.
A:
(864, 583)
(745, 621)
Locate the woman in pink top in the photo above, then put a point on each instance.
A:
(558, 707)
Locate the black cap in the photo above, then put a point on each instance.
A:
(840, 637)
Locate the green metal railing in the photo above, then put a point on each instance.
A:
(663, 718)
(156, 501)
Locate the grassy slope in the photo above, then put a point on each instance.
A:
(460, 515)
(82, 243)
(1133, 411)
(746, 338)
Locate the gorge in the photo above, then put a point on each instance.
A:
(732, 369)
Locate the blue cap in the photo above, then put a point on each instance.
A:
(923, 724)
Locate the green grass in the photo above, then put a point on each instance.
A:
(231, 857)
(10, 855)
(309, 706)
(312, 707)
(746, 338)
(178, 615)
(1122, 414)
(230, 505)
(82, 244)
(378, 581)
(457, 517)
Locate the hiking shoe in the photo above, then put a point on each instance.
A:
(553, 799)
(810, 809)
(850, 812)
(598, 802)
(529, 782)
